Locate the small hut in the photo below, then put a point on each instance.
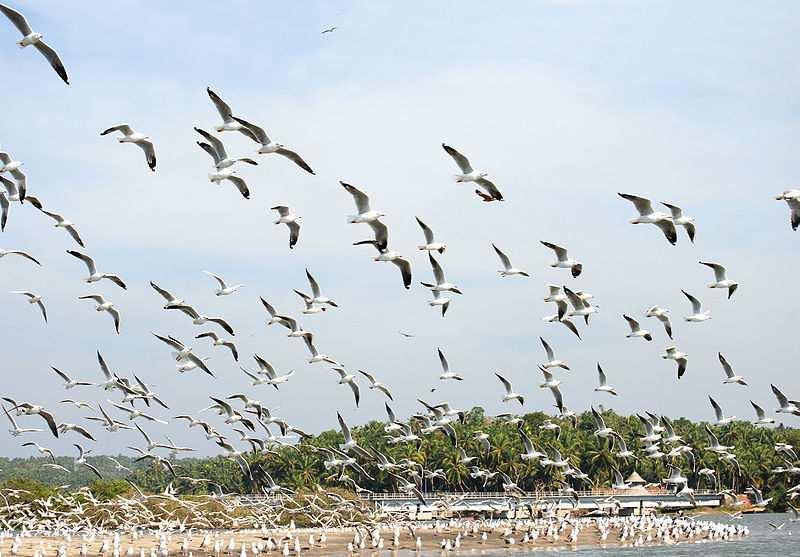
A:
(635, 480)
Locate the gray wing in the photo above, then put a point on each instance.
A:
(632, 323)
(4, 206)
(149, 153)
(547, 349)
(503, 257)
(443, 361)
(601, 374)
(124, 128)
(405, 270)
(505, 383)
(674, 210)
(668, 228)
(717, 409)
(313, 283)
(52, 57)
(215, 142)
(88, 261)
(642, 204)
(210, 150)
(116, 315)
(438, 273)
(295, 158)
(725, 365)
(166, 295)
(241, 185)
(381, 234)
(257, 133)
(489, 186)
(75, 236)
(561, 253)
(361, 199)
(17, 19)
(294, 233)
(719, 270)
(461, 160)
(696, 306)
(426, 230)
(222, 107)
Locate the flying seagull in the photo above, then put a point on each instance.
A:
(365, 213)
(552, 361)
(636, 330)
(446, 373)
(604, 387)
(289, 219)
(508, 269)
(468, 174)
(29, 37)
(430, 242)
(792, 198)
(217, 341)
(33, 299)
(268, 146)
(510, 394)
(229, 174)
(131, 136)
(698, 315)
(720, 278)
(70, 383)
(224, 289)
(350, 380)
(375, 384)
(200, 319)
(672, 353)
(663, 316)
(228, 123)
(328, 30)
(216, 149)
(94, 276)
(564, 262)
(387, 255)
(441, 282)
(104, 305)
(21, 253)
(16, 190)
(317, 297)
(730, 377)
(61, 222)
(648, 216)
(679, 220)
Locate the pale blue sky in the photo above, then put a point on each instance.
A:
(563, 102)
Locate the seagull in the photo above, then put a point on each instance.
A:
(265, 368)
(16, 190)
(349, 380)
(217, 341)
(66, 427)
(679, 220)
(230, 174)
(42, 450)
(133, 413)
(551, 359)
(787, 406)
(131, 136)
(564, 320)
(33, 299)
(16, 431)
(82, 460)
(550, 382)
(70, 383)
(439, 300)
(61, 222)
(94, 276)
(730, 377)
(172, 301)
(441, 283)
(391, 256)
(563, 260)
(510, 394)
(29, 37)
(365, 214)
(316, 357)
(602, 430)
(185, 353)
(268, 146)
(508, 269)
(636, 331)
(199, 319)
(291, 324)
(721, 419)
(216, 149)
(430, 242)
(289, 219)
(604, 387)
(373, 384)
(228, 123)
(672, 353)
(720, 278)
(317, 297)
(662, 315)
(21, 253)
(580, 307)
(761, 416)
(224, 289)
(28, 409)
(648, 216)
(470, 175)
(698, 315)
(104, 305)
(792, 199)
(328, 30)
(446, 373)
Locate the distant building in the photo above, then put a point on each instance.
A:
(635, 480)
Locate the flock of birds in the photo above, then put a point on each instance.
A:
(253, 423)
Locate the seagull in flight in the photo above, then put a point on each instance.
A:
(216, 149)
(730, 377)
(468, 174)
(21, 253)
(787, 406)
(16, 190)
(604, 387)
(563, 260)
(636, 330)
(104, 305)
(131, 136)
(30, 37)
(230, 175)
(70, 383)
(648, 216)
(391, 256)
(289, 219)
(33, 299)
(217, 341)
(698, 315)
(15, 430)
(184, 352)
(82, 460)
(172, 300)
(552, 361)
(439, 301)
(365, 213)
(761, 416)
(508, 269)
(94, 276)
(317, 297)
(328, 30)
(374, 384)
(446, 373)
(510, 394)
(672, 353)
(224, 289)
(199, 319)
(228, 123)
(316, 356)
(792, 198)
(430, 241)
(268, 146)
(663, 316)
(438, 274)
(721, 418)
(720, 278)
(61, 222)
(679, 220)
(350, 380)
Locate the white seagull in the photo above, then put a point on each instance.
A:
(552, 361)
(446, 373)
(636, 330)
(104, 305)
(350, 380)
(268, 146)
(374, 384)
(317, 297)
(316, 356)
(94, 276)
(430, 242)
(131, 136)
(70, 383)
(289, 219)
(228, 123)
(216, 149)
(662, 315)
(21, 253)
(61, 222)
(439, 301)
(604, 387)
(721, 418)
(792, 198)
(217, 341)
(510, 394)
(648, 216)
(679, 220)
(365, 214)
(563, 260)
(230, 174)
(172, 300)
(200, 319)
(730, 377)
(761, 416)
(787, 406)
(468, 174)
(508, 269)
(441, 282)
(391, 256)
(672, 353)
(580, 306)
(33, 299)
(720, 278)
(30, 37)
(265, 368)
(224, 289)
(16, 190)
(698, 315)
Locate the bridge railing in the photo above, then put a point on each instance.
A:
(386, 496)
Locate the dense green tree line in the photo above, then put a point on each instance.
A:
(300, 466)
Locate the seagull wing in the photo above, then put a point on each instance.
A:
(215, 143)
(210, 150)
(313, 283)
(17, 19)
(294, 233)
(116, 316)
(256, 133)
(503, 258)
(489, 186)
(674, 210)
(356, 392)
(443, 361)
(222, 107)
(165, 294)
(426, 230)
(88, 261)
(668, 228)
(4, 206)
(696, 306)
(717, 409)
(52, 57)
(548, 350)
(345, 430)
(561, 253)
(295, 158)
(405, 270)
(218, 279)
(632, 323)
(725, 365)
(601, 375)
(461, 160)
(642, 204)
(509, 388)
(719, 270)
(438, 273)
(361, 199)
(124, 128)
